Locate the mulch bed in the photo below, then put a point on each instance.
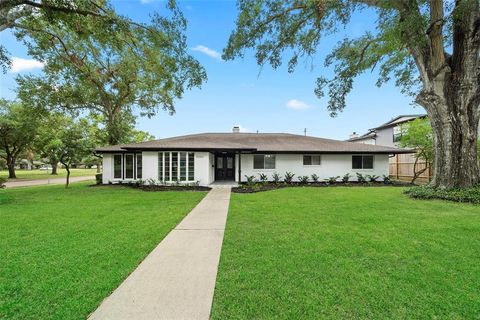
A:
(271, 186)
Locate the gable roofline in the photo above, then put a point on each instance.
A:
(393, 122)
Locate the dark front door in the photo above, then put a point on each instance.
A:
(225, 166)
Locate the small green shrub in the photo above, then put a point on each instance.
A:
(251, 181)
(332, 180)
(372, 178)
(276, 178)
(288, 177)
(303, 179)
(314, 178)
(2, 182)
(471, 195)
(361, 178)
(263, 177)
(386, 179)
(346, 177)
(98, 178)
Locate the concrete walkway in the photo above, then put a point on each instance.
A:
(39, 182)
(177, 279)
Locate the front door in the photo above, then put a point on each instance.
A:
(225, 166)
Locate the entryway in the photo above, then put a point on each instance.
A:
(225, 166)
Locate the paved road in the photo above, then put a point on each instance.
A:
(39, 182)
(177, 279)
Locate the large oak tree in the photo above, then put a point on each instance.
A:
(142, 68)
(430, 47)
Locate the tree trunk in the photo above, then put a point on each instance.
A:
(67, 181)
(54, 168)
(99, 164)
(11, 167)
(455, 162)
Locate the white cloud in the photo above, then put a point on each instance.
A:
(209, 52)
(20, 64)
(297, 105)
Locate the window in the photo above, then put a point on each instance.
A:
(139, 166)
(191, 166)
(183, 166)
(311, 160)
(263, 161)
(160, 166)
(129, 166)
(167, 166)
(398, 132)
(362, 162)
(117, 166)
(176, 166)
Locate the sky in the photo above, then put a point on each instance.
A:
(239, 93)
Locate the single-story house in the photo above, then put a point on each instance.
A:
(209, 157)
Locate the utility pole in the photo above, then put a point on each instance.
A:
(305, 132)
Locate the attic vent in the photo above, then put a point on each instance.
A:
(236, 129)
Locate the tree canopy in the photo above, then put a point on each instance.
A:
(431, 49)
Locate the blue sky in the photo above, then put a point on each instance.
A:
(238, 93)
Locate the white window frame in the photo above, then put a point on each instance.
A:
(311, 165)
(363, 155)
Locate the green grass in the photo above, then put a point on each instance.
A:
(45, 174)
(63, 251)
(348, 253)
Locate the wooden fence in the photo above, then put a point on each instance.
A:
(401, 168)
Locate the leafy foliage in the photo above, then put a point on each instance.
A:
(276, 178)
(458, 195)
(145, 69)
(361, 178)
(2, 182)
(263, 177)
(332, 180)
(346, 177)
(288, 177)
(303, 179)
(372, 177)
(314, 178)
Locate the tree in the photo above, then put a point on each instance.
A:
(48, 142)
(18, 127)
(418, 135)
(75, 145)
(145, 70)
(19, 15)
(430, 47)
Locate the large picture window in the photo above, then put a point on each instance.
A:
(129, 166)
(139, 166)
(311, 160)
(117, 166)
(362, 162)
(176, 166)
(263, 161)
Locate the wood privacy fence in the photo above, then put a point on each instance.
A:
(401, 168)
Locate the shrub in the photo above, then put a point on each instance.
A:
(314, 177)
(251, 181)
(361, 178)
(2, 182)
(332, 180)
(276, 178)
(288, 177)
(471, 195)
(303, 179)
(263, 177)
(372, 178)
(98, 178)
(386, 179)
(346, 177)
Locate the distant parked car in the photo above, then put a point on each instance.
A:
(45, 168)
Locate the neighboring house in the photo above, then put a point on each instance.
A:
(387, 134)
(209, 157)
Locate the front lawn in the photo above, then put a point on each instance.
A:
(63, 251)
(46, 174)
(348, 253)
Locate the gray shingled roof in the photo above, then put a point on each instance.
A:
(254, 142)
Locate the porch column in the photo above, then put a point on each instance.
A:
(239, 166)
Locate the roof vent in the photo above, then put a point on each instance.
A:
(353, 135)
(236, 129)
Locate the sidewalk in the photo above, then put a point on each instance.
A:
(177, 279)
(39, 182)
